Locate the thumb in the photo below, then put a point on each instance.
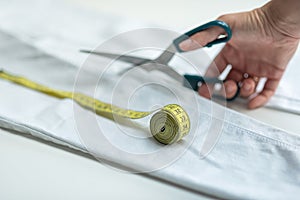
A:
(201, 38)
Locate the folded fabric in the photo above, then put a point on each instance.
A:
(287, 97)
(250, 160)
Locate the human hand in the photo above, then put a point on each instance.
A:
(260, 47)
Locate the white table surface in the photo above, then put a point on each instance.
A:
(32, 169)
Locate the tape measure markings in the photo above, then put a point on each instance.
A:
(168, 125)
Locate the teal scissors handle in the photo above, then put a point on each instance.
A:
(192, 82)
(203, 27)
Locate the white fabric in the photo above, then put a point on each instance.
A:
(65, 28)
(250, 161)
(287, 97)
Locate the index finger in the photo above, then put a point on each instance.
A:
(214, 70)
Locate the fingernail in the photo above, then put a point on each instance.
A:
(188, 45)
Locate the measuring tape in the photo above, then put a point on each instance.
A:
(167, 125)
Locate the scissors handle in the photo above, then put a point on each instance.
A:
(192, 81)
(203, 27)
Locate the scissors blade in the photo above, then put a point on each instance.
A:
(167, 55)
(159, 64)
(128, 59)
(151, 66)
(186, 80)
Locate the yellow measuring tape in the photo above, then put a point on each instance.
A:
(168, 125)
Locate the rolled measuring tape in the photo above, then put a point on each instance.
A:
(167, 125)
(170, 124)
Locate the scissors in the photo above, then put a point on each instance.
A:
(161, 62)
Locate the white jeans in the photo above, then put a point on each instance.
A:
(250, 160)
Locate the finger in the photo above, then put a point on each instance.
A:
(248, 87)
(205, 91)
(230, 88)
(201, 38)
(263, 97)
(235, 75)
(217, 66)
